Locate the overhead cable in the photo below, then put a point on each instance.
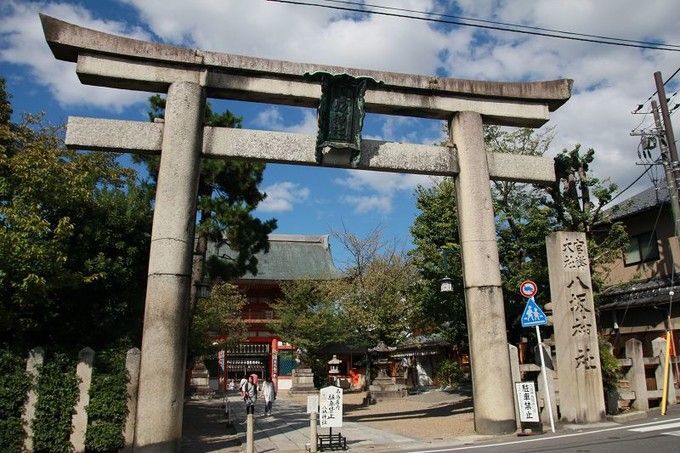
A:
(572, 37)
(494, 22)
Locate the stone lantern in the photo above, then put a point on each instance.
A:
(333, 365)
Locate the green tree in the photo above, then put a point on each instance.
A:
(227, 195)
(310, 316)
(377, 294)
(525, 214)
(436, 255)
(217, 322)
(524, 217)
(578, 199)
(73, 239)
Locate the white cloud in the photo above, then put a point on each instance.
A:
(272, 119)
(385, 187)
(282, 196)
(23, 43)
(369, 203)
(609, 81)
(381, 182)
(303, 34)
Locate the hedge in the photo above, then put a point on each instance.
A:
(57, 390)
(107, 410)
(14, 386)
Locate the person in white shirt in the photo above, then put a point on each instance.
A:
(269, 393)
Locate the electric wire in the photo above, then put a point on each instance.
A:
(641, 106)
(494, 22)
(670, 48)
(644, 118)
(631, 184)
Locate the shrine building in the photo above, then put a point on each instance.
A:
(290, 257)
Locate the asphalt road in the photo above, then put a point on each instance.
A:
(654, 435)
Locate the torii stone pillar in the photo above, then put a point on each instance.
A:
(187, 75)
(161, 375)
(491, 375)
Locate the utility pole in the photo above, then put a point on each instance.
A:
(668, 167)
(670, 143)
(673, 192)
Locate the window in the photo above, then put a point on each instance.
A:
(642, 247)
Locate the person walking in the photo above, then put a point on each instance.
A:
(249, 392)
(269, 393)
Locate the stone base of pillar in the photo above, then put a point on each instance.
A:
(495, 427)
(303, 382)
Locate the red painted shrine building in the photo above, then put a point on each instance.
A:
(290, 257)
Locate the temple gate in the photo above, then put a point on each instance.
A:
(189, 76)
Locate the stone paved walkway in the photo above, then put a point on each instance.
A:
(287, 430)
(413, 422)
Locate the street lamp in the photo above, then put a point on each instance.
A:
(202, 290)
(446, 284)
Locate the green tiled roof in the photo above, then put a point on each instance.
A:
(292, 257)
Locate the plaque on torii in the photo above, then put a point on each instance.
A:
(188, 76)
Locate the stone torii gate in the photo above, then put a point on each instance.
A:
(189, 76)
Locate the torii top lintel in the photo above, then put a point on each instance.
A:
(115, 61)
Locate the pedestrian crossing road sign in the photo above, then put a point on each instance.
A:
(533, 315)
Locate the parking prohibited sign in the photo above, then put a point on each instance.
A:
(526, 402)
(528, 289)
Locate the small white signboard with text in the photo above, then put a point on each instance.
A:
(526, 400)
(312, 404)
(330, 407)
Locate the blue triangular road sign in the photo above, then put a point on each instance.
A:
(533, 315)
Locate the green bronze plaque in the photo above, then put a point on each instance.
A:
(341, 113)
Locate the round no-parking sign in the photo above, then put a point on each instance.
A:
(528, 289)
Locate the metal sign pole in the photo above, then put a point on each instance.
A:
(548, 403)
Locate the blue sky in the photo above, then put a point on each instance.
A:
(609, 81)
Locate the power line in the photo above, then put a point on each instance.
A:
(671, 48)
(508, 24)
(631, 184)
(640, 106)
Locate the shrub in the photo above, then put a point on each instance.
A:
(14, 385)
(57, 390)
(611, 370)
(450, 373)
(107, 410)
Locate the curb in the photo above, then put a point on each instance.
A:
(628, 417)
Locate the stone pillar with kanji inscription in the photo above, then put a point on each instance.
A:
(576, 345)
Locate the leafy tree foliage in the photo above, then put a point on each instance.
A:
(579, 199)
(377, 294)
(219, 313)
(524, 218)
(436, 255)
(73, 238)
(310, 316)
(374, 302)
(525, 214)
(227, 195)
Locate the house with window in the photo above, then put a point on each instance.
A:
(290, 257)
(642, 286)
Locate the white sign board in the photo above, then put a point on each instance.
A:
(526, 400)
(330, 407)
(312, 404)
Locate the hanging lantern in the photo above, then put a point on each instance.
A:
(340, 114)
